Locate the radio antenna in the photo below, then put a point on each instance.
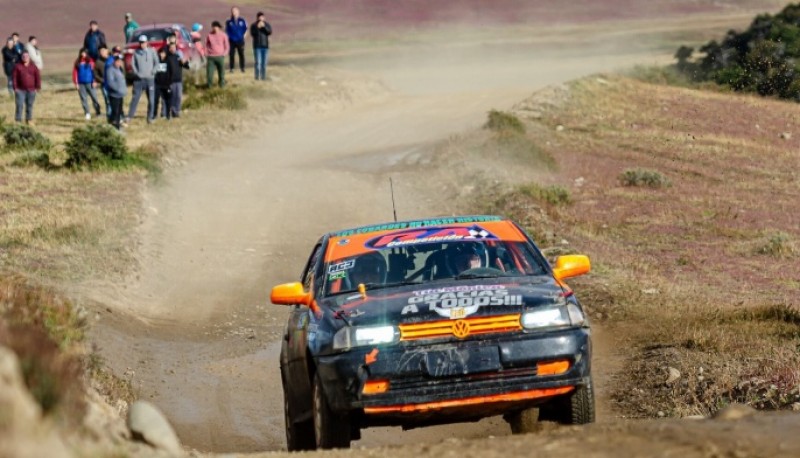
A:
(394, 208)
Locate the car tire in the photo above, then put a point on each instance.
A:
(577, 408)
(330, 430)
(525, 421)
(299, 436)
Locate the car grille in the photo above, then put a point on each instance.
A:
(460, 328)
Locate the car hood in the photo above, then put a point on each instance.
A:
(433, 302)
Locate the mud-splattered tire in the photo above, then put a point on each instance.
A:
(299, 436)
(330, 430)
(577, 408)
(524, 422)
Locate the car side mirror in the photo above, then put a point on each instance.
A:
(571, 266)
(290, 294)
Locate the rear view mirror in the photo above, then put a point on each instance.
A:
(571, 266)
(290, 294)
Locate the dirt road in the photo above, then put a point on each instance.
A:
(193, 329)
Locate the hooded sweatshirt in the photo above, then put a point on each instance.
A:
(83, 72)
(115, 82)
(145, 62)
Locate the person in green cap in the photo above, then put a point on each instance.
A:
(130, 26)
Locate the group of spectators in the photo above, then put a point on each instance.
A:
(22, 65)
(156, 73)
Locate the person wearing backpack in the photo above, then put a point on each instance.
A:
(83, 78)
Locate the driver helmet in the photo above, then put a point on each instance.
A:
(466, 256)
(369, 268)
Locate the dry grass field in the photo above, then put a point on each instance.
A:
(686, 200)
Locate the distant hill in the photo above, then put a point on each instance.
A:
(59, 23)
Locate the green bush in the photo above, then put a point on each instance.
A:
(500, 121)
(644, 177)
(553, 195)
(215, 98)
(33, 158)
(96, 145)
(777, 245)
(20, 136)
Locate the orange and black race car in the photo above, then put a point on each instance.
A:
(426, 322)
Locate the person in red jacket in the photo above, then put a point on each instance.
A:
(27, 82)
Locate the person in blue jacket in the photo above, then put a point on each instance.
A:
(94, 39)
(83, 78)
(236, 29)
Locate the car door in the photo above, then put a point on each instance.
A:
(294, 352)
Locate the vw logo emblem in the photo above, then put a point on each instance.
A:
(461, 329)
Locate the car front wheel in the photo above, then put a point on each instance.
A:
(299, 436)
(330, 430)
(576, 408)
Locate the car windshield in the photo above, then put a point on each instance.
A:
(152, 34)
(432, 262)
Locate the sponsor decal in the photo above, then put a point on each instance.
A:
(429, 235)
(341, 266)
(337, 275)
(416, 224)
(343, 242)
(459, 302)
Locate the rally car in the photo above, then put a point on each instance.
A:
(427, 322)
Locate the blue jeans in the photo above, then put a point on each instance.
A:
(140, 85)
(261, 56)
(24, 101)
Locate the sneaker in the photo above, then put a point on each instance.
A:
(88, 117)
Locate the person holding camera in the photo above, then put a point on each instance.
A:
(260, 31)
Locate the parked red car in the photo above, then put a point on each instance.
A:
(157, 37)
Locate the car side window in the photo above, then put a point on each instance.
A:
(308, 274)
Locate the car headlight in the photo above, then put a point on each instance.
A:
(349, 337)
(553, 317)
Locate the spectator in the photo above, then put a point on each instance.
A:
(130, 27)
(217, 47)
(10, 59)
(175, 70)
(260, 31)
(117, 89)
(93, 40)
(27, 81)
(100, 77)
(162, 84)
(18, 47)
(197, 42)
(115, 55)
(145, 61)
(33, 50)
(83, 78)
(236, 29)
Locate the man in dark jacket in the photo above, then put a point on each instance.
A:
(117, 89)
(260, 31)
(236, 29)
(162, 81)
(10, 59)
(27, 81)
(93, 40)
(175, 69)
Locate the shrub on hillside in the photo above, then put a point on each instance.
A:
(93, 146)
(500, 121)
(33, 158)
(777, 245)
(644, 177)
(215, 98)
(761, 59)
(552, 195)
(20, 136)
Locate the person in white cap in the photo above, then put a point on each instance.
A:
(145, 64)
(130, 27)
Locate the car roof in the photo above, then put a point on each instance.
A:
(365, 239)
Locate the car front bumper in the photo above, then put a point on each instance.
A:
(476, 378)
